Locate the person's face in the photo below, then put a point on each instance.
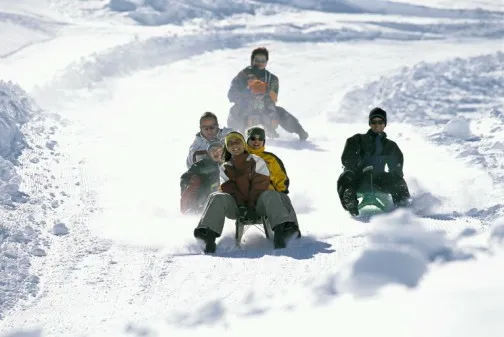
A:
(235, 146)
(259, 61)
(377, 125)
(216, 154)
(256, 142)
(209, 128)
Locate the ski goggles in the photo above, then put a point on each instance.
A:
(261, 139)
(260, 59)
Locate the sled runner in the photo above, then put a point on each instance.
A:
(242, 224)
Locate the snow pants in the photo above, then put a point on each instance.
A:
(275, 205)
(286, 120)
(383, 182)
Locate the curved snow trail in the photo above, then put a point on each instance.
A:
(140, 260)
(149, 49)
(166, 12)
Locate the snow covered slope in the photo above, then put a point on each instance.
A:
(97, 246)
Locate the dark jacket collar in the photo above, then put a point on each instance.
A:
(373, 135)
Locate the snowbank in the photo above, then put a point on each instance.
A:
(416, 276)
(15, 110)
(162, 12)
(430, 94)
(156, 12)
(15, 278)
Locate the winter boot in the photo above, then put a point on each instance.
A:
(207, 237)
(350, 202)
(303, 135)
(284, 232)
(400, 194)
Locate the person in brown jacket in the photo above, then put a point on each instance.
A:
(243, 191)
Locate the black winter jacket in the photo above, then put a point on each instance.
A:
(360, 147)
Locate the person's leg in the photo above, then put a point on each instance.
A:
(290, 123)
(347, 192)
(395, 185)
(219, 207)
(278, 209)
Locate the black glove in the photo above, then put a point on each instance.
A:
(242, 212)
(251, 213)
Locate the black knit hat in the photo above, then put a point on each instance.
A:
(378, 112)
(256, 131)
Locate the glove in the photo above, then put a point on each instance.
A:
(251, 213)
(258, 87)
(274, 124)
(242, 212)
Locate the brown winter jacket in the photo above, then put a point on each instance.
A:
(245, 177)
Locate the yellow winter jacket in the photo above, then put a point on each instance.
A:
(279, 181)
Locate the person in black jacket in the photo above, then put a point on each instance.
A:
(372, 149)
(201, 179)
(256, 89)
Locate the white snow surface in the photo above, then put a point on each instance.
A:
(99, 102)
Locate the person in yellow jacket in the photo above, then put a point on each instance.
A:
(256, 138)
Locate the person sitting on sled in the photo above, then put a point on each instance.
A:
(279, 180)
(209, 131)
(372, 149)
(256, 144)
(255, 80)
(200, 180)
(244, 191)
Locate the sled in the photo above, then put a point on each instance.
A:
(369, 195)
(243, 224)
(379, 200)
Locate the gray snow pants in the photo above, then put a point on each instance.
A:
(275, 205)
(286, 120)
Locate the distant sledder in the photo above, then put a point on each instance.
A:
(254, 92)
(245, 195)
(364, 158)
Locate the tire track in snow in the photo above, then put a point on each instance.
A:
(44, 29)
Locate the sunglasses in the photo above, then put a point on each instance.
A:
(377, 122)
(261, 60)
(209, 127)
(257, 138)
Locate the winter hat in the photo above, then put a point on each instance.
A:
(232, 135)
(256, 131)
(215, 143)
(378, 112)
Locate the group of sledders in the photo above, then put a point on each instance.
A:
(231, 175)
